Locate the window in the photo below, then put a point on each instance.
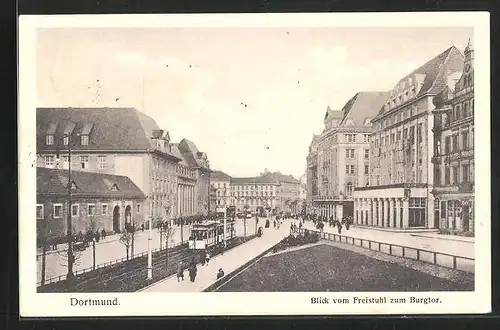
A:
(367, 153)
(393, 137)
(348, 189)
(437, 174)
(85, 140)
(465, 173)
(412, 134)
(66, 140)
(101, 162)
(57, 210)
(75, 210)
(91, 209)
(367, 169)
(465, 110)
(366, 138)
(39, 211)
(419, 132)
(352, 169)
(465, 140)
(447, 174)
(405, 133)
(49, 161)
(455, 174)
(84, 160)
(349, 153)
(398, 136)
(416, 214)
(455, 142)
(347, 169)
(49, 140)
(447, 145)
(104, 209)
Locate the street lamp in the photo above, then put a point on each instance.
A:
(69, 228)
(150, 254)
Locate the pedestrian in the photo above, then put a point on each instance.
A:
(339, 227)
(207, 257)
(97, 236)
(180, 271)
(202, 259)
(103, 233)
(142, 227)
(220, 273)
(192, 272)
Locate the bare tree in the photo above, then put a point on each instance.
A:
(126, 239)
(168, 233)
(92, 228)
(64, 257)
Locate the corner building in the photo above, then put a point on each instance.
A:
(339, 158)
(401, 174)
(454, 151)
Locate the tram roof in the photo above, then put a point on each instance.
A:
(210, 223)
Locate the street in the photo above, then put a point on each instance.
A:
(229, 261)
(111, 249)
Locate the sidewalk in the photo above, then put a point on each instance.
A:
(229, 262)
(430, 243)
(446, 237)
(111, 249)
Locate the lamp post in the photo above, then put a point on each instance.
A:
(150, 254)
(69, 233)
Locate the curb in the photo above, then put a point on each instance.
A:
(445, 238)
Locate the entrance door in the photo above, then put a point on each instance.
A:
(465, 217)
(116, 219)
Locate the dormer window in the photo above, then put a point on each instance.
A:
(114, 187)
(73, 185)
(85, 134)
(66, 140)
(84, 140)
(49, 140)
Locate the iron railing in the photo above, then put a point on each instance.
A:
(105, 264)
(431, 257)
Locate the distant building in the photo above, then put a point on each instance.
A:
(125, 141)
(222, 185)
(98, 201)
(454, 151)
(287, 192)
(259, 194)
(401, 175)
(339, 158)
(312, 175)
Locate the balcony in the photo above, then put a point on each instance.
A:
(460, 154)
(318, 198)
(464, 187)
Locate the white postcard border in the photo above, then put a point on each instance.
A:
(33, 304)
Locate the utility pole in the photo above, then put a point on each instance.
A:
(69, 220)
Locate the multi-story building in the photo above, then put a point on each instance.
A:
(454, 151)
(401, 176)
(312, 175)
(288, 191)
(98, 201)
(124, 141)
(258, 193)
(342, 154)
(222, 184)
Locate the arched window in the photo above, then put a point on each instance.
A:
(465, 109)
(456, 114)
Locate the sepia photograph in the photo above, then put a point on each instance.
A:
(292, 159)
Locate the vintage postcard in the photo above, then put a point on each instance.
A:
(247, 164)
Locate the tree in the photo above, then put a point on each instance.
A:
(168, 233)
(64, 257)
(245, 220)
(92, 228)
(126, 239)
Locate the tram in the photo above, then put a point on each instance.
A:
(209, 234)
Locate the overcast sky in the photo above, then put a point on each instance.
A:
(249, 97)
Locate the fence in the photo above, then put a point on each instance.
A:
(105, 264)
(431, 257)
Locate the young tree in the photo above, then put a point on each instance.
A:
(245, 220)
(91, 230)
(126, 240)
(168, 233)
(64, 257)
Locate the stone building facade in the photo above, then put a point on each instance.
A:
(401, 174)
(124, 141)
(453, 157)
(339, 158)
(98, 201)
